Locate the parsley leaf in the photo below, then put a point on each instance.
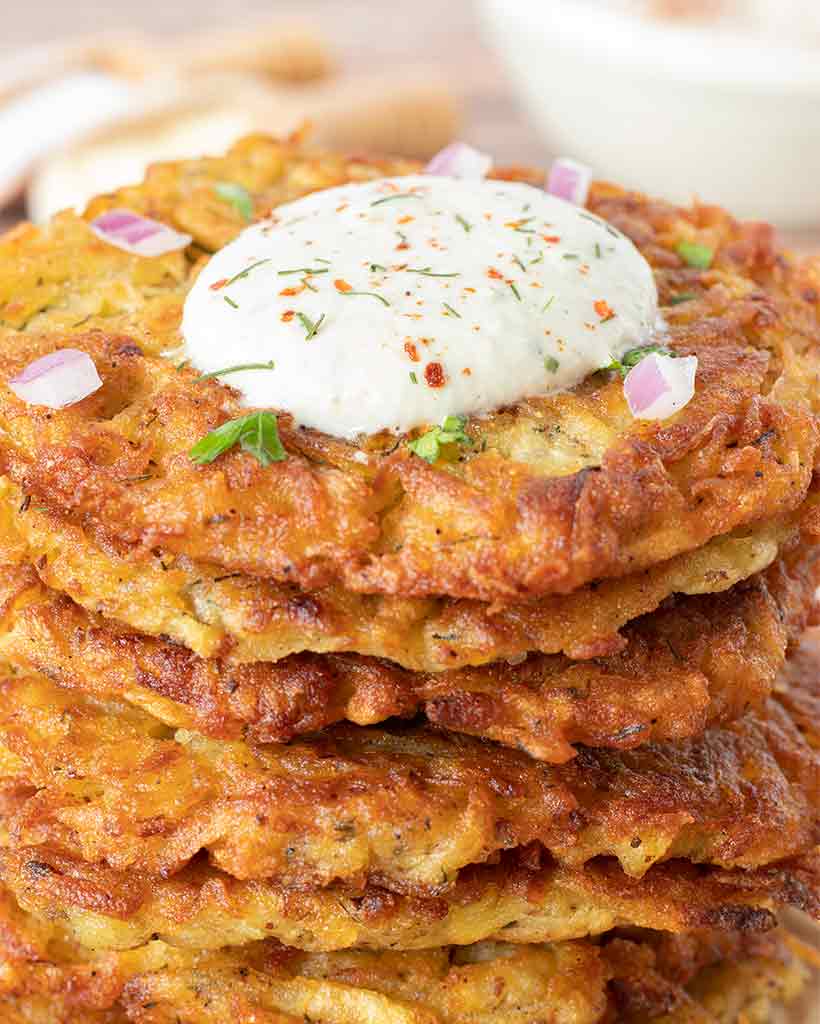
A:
(451, 431)
(696, 255)
(257, 433)
(237, 196)
(634, 356)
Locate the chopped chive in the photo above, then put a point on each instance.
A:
(447, 306)
(244, 273)
(597, 250)
(468, 227)
(696, 255)
(320, 260)
(400, 195)
(429, 272)
(551, 364)
(413, 378)
(256, 433)
(375, 268)
(676, 300)
(306, 282)
(311, 327)
(591, 216)
(182, 365)
(548, 303)
(230, 301)
(514, 290)
(538, 259)
(570, 256)
(238, 197)
(303, 270)
(235, 369)
(517, 261)
(372, 295)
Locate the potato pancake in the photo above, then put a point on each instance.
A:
(405, 809)
(629, 979)
(698, 661)
(525, 899)
(560, 490)
(212, 612)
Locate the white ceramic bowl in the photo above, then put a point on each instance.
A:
(675, 111)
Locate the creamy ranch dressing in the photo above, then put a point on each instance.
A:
(416, 298)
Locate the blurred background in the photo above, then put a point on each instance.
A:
(718, 99)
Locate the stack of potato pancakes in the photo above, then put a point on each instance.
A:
(522, 735)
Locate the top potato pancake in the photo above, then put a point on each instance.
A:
(556, 491)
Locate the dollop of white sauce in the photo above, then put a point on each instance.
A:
(395, 303)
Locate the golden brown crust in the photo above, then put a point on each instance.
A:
(520, 900)
(626, 979)
(404, 809)
(561, 491)
(215, 613)
(698, 661)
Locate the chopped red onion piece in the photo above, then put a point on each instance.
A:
(660, 385)
(139, 235)
(59, 379)
(569, 180)
(458, 160)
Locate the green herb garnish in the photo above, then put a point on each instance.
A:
(597, 250)
(244, 273)
(518, 262)
(514, 290)
(634, 356)
(451, 431)
(676, 300)
(310, 287)
(538, 259)
(372, 295)
(450, 309)
(311, 327)
(570, 256)
(548, 303)
(551, 364)
(375, 268)
(400, 195)
(468, 227)
(235, 369)
(413, 378)
(696, 255)
(257, 434)
(230, 301)
(429, 272)
(304, 270)
(237, 196)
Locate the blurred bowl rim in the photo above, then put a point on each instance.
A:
(690, 53)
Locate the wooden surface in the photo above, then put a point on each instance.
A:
(372, 35)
